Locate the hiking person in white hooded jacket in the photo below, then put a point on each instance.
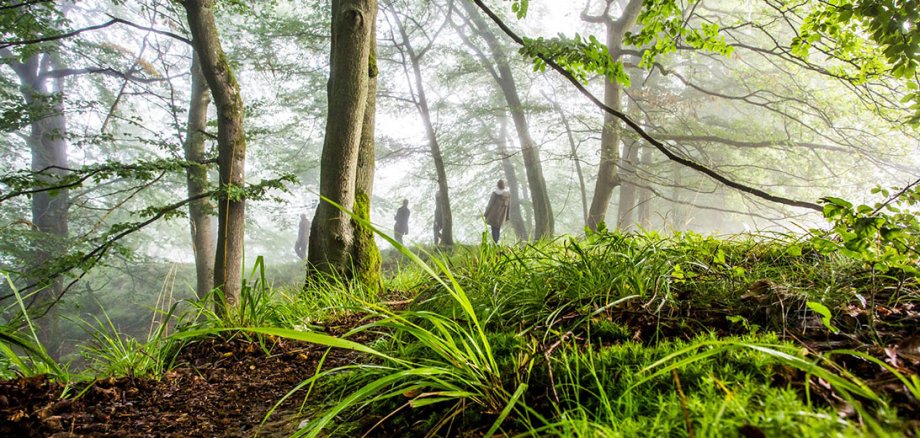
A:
(496, 213)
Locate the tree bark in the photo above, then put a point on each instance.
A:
(231, 145)
(543, 212)
(365, 254)
(607, 176)
(443, 198)
(348, 140)
(197, 179)
(517, 220)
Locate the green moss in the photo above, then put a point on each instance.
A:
(372, 70)
(365, 255)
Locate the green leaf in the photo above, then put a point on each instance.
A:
(825, 313)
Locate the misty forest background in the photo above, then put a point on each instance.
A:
(108, 125)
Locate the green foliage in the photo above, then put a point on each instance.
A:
(871, 37)
(885, 236)
(519, 7)
(579, 56)
(664, 27)
(111, 353)
(825, 313)
(29, 21)
(36, 359)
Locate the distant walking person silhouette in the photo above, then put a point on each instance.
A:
(496, 213)
(402, 222)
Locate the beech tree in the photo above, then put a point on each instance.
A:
(231, 144)
(340, 244)
(197, 181)
(608, 177)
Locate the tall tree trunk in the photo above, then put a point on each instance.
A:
(443, 198)
(517, 221)
(197, 179)
(365, 254)
(627, 208)
(645, 195)
(543, 212)
(47, 142)
(607, 176)
(231, 146)
(349, 134)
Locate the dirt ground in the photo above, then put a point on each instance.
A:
(218, 388)
(225, 387)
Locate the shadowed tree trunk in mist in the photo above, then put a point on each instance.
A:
(645, 195)
(543, 212)
(514, 212)
(680, 208)
(421, 103)
(231, 146)
(607, 176)
(47, 141)
(626, 212)
(337, 245)
(197, 179)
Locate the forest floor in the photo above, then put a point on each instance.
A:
(217, 388)
(562, 342)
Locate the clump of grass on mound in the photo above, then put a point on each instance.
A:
(505, 340)
(573, 280)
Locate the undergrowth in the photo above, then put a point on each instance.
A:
(612, 334)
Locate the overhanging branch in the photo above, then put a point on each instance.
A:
(113, 21)
(642, 133)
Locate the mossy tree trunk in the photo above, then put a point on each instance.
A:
(197, 179)
(365, 253)
(338, 244)
(231, 145)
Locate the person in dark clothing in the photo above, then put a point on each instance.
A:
(438, 218)
(497, 211)
(402, 222)
(303, 237)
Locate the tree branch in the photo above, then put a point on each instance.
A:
(113, 21)
(638, 129)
